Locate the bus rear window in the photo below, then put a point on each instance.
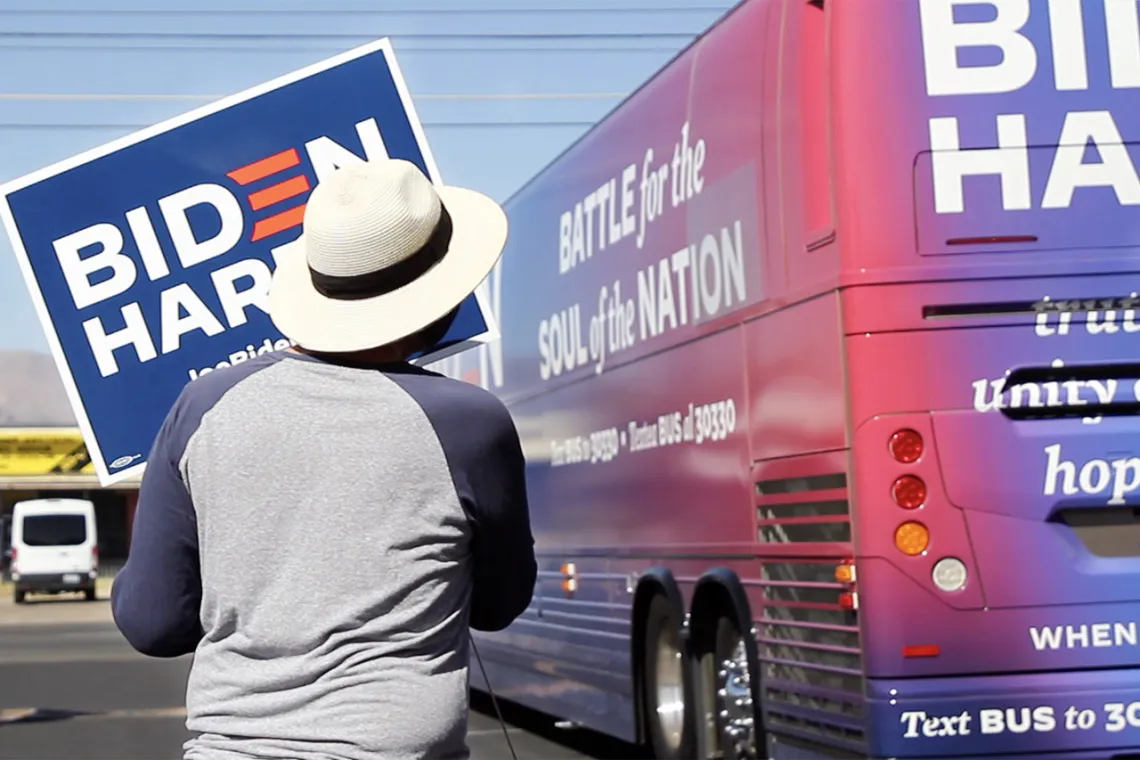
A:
(989, 200)
(54, 530)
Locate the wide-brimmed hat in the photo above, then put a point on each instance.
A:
(383, 253)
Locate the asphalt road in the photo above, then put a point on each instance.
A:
(71, 689)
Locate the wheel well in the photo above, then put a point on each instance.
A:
(656, 581)
(719, 593)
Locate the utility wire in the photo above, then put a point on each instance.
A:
(300, 48)
(348, 35)
(444, 124)
(150, 96)
(360, 11)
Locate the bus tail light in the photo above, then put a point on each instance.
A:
(849, 600)
(949, 574)
(909, 491)
(845, 573)
(912, 538)
(570, 578)
(906, 446)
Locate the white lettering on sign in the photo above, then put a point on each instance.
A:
(918, 723)
(1119, 716)
(1114, 170)
(944, 38)
(703, 280)
(991, 721)
(191, 251)
(1009, 162)
(1117, 477)
(614, 212)
(243, 355)
(700, 279)
(951, 165)
(1017, 720)
(1098, 635)
(697, 425)
(182, 310)
(327, 156)
(77, 271)
(989, 397)
(1100, 316)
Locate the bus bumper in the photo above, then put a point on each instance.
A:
(1086, 715)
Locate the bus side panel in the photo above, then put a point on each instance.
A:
(632, 262)
(796, 382)
(676, 487)
(652, 230)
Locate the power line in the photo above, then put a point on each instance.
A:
(437, 96)
(442, 124)
(348, 35)
(358, 11)
(296, 48)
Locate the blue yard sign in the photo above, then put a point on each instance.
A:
(149, 258)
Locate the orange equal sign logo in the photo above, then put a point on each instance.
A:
(275, 198)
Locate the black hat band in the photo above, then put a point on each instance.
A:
(383, 281)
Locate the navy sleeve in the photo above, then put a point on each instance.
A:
(157, 595)
(487, 464)
(505, 566)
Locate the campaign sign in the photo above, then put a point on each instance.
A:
(149, 259)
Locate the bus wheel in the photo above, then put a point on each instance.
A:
(735, 712)
(667, 710)
(20, 594)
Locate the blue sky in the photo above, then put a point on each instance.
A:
(501, 85)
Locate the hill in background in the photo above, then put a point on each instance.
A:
(31, 393)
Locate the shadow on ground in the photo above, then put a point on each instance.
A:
(581, 740)
(37, 715)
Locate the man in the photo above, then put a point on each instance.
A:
(320, 527)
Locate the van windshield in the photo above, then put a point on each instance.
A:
(54, 530)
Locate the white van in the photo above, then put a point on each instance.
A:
(54, 547)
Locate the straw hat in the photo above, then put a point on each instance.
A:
(383, 254)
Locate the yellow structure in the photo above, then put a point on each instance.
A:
(47, 458)
(41, 462)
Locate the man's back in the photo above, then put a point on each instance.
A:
(343, 517)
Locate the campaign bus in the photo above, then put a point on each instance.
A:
(823, 350)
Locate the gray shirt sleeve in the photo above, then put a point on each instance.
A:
(486, 460)
(157, 597)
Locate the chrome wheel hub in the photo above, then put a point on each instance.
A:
(670, 696)
(734, 698)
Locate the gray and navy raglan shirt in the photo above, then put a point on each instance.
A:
(322, 537)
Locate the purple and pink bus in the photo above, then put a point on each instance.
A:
(824, 350)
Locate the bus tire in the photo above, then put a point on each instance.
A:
(20, 596)
(732, 696)
(668, 712)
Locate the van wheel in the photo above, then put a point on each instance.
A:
(20, 594)
(668, 713)
(89, 594)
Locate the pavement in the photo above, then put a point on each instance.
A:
(72, 689)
